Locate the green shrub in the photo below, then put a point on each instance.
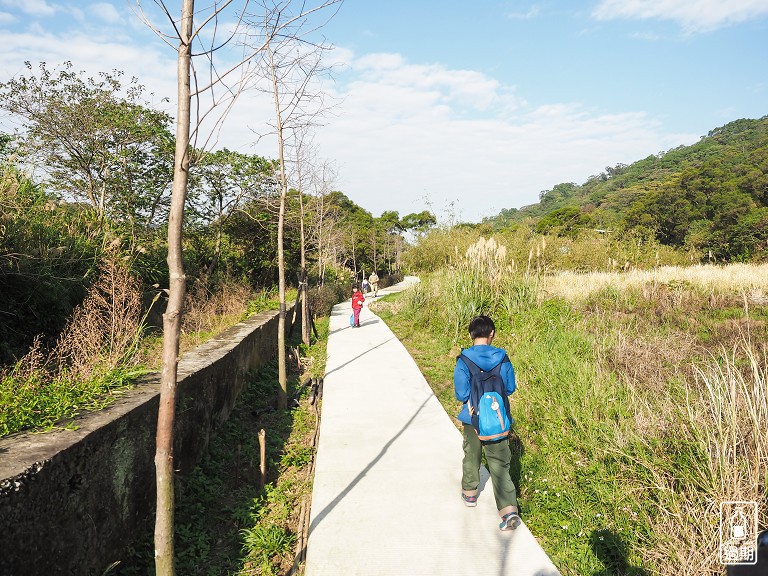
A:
(323, 298)
(390, 279)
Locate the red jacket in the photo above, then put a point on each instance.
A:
(357, 299)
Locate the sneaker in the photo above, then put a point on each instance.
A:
(510, 521)
(469, 500)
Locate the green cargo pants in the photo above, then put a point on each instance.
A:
(498, 456)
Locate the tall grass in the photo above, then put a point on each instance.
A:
(104, 347)
(479, 281)
(528, 250)
(641, 401)
(713, 447)
(93, 359)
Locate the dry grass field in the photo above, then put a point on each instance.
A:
(749, 280)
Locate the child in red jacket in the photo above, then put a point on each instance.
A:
(357, 305)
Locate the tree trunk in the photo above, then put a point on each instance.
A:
(320, 245)
(164, 550)
(282, 393)
(303, 285)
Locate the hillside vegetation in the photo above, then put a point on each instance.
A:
(710, 198)
(642, 398)
(86, 179)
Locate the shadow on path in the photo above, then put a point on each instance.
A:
(358, 356)
(364, 471)
(516, 446)
(347, 326)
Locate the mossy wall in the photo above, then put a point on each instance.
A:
(72, 500)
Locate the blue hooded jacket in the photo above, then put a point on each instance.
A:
(486, 357)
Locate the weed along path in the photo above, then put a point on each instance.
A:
(386, 494)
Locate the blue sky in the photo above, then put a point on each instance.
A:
(465, 108)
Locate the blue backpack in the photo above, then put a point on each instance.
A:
(488, 402)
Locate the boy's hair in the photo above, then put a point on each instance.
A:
(481, 327)
(354, 287)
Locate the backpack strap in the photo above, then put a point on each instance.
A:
(473, 369)
(470, 365)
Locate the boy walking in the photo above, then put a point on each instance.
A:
(481, 357)
(357, 305)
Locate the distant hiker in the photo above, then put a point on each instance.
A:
(483, 366)
(366, 286)
(374, 280)
(357, 305)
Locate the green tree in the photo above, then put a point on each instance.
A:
(220, 183)
(418, 223)
(746, 239)
(559, 194)
(97, 141)
(566, 221)
(390, 222)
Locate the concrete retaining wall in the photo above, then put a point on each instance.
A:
(71, 500)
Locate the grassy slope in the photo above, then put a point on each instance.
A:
(613, 472)
(561, 478)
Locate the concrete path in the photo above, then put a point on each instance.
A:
(386, 496)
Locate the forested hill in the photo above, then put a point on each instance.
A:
(711, 197)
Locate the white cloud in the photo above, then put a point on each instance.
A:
(105, 12)
(7, 18)
(462, 89)
(31, 7)
(401, 137)
(403, 132)
(693, 15)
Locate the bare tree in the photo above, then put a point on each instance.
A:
(323, 217)
(164, 557)
(292, 63)
(321, 230)
(302, 149)
(184, 33)
(310, 180)
(213, 96)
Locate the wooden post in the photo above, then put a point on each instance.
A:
(263, 458)
(312, 322)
